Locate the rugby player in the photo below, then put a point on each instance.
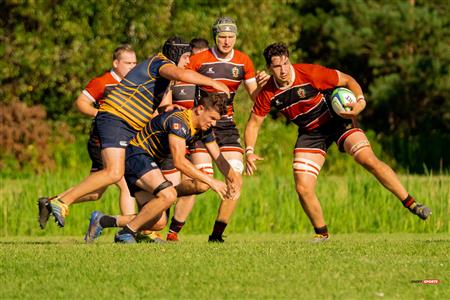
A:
(169, 133)
(88, 102)
(297, 91)
(125, 111)
(198, 45)
(224, 64)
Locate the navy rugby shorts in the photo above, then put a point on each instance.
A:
(113, 131)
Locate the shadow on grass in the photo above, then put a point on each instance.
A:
(19, 242)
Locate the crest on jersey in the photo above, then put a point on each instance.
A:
(235, 72)
(176, 126)
(301, 93)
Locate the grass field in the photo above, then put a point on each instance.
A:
(247, 266)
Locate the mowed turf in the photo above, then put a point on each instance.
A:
(247, 266)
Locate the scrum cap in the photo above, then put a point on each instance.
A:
(174, 47)
(224, 24)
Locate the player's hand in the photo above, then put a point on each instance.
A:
(171, 107)
(234, 187)
(219, 187)
(261, 78)
(221, 87)
(250, 162)
(357, 107)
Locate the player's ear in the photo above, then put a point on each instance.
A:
(115, 63)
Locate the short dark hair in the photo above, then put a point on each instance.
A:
(214, 101)
(120, 49)
(275, 49)
(200, 43)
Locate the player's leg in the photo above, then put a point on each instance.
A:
(165, 195)
(227, 206)
(306, 167)
(202, 161)
(357, 145)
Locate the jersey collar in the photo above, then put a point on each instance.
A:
(214, 52)
(114, 74)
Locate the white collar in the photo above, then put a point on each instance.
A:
(214, 52)
(114, 74)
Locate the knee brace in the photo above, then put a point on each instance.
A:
(206, 168)
(358, 147)
(307, 166)
(237, 165)
(161, 187)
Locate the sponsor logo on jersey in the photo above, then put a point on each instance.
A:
(301, 93)
(182, 92)
(184, 130)
(153, 164)
(176, 126)
(123, 143)
(235, 72)
(277, 102)
(210, 71)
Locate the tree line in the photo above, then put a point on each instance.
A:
(398, 50)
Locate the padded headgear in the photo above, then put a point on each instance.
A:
(223, 24)
(174, 47)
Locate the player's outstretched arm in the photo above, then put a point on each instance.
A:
(178, 150)
(250, 137)
(172, 72)
(234, 181)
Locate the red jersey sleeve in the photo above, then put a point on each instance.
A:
(321, 77)
(249, 69)
(262, 103)
(95, 89)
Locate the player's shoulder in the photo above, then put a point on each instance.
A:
(239, 55)
(203, 56)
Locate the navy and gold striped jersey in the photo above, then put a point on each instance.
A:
(154, 137)
(139, 93)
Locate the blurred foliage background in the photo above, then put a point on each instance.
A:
(398, 50)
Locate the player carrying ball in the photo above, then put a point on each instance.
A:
(296, 90)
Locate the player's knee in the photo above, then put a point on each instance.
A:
(369, 162)
(201, 187)
(160, 225)
(304, 190)
(168, 196)
(114, 175)
(236, 165)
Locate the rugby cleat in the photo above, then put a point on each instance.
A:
(44, 211)
(172, 237)
(59, 211)
(320, 238)
(151, 237)
(421, 211)
(215, 239)
(94, 229)
(123, 237)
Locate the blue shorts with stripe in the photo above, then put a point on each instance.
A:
(113, 131)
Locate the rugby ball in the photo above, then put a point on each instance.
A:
(340, 97)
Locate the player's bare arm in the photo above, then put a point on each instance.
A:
(234, 181)
(250, 137)
(85, 106)
(349, 82)
(177, 147)
(172, 72)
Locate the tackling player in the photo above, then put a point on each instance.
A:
(88, 102)
(224, 64)
(126, 110)
(169, 133)
(296, 90)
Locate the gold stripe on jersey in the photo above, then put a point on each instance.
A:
(141, 118)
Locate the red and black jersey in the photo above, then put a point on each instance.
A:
(183, 94)
(231, 71)
(303, 101)
(99, 87)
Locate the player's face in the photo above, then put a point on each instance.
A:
(184, 60)
(281, 69)
(207, 118)
(124, 64)
(225, 42)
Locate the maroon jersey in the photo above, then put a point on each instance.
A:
(183, 94)
(230, 71)
(302, 102)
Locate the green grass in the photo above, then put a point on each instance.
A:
(247, 266)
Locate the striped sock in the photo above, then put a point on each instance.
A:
(409, 202)
(176, 226)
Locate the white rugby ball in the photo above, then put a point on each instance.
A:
(340, 97)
